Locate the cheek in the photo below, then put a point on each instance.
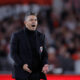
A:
(36, 23)
(29, 23)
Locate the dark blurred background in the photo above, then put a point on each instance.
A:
(59, 20)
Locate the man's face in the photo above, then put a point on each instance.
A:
(31, 22)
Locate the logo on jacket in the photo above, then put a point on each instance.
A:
(41, 49)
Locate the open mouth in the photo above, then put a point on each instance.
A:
(33, 25)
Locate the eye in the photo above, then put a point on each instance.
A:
(31, 19)
(35, 19)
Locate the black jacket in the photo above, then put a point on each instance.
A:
(21, 53)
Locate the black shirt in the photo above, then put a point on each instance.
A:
(35, 58)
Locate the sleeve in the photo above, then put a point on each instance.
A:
(45, 54)
(14, 50)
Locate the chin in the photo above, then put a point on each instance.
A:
(34, 29)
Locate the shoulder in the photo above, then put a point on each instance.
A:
(17, 33)
(41, 35)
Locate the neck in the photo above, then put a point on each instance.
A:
(30, 31)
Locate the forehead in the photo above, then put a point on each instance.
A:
(31, 17)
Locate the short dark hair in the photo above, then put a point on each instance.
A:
(30, 13)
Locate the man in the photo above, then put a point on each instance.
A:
(28, 51)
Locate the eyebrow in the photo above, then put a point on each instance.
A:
(33, 19)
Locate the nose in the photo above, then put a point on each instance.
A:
(33, 22)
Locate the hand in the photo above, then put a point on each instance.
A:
(45, 68)
(25, 67)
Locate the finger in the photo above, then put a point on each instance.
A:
(28, 70)
(43, 69)
(26, 65)
(46, 69)
(45, 72)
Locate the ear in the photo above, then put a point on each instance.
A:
(24, 22)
